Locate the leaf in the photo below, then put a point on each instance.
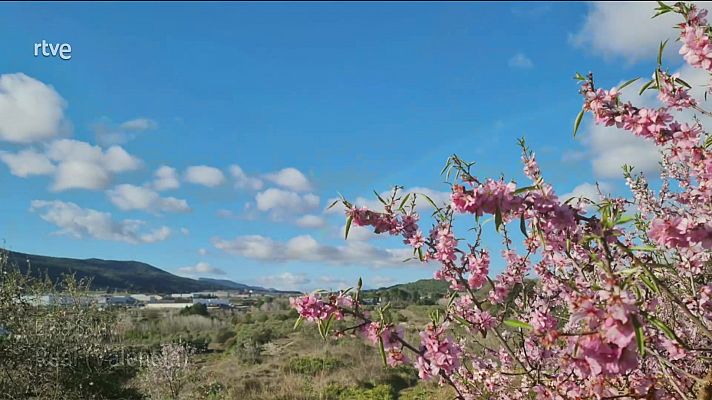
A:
(625, 219)
(348, 226)
(628, 83)
(524, 189)
(332, 204)
(660, 51)
(420, 254)
(639, 337)
(650, 284)
(523, 225)
(516, 324)
(429, 200)
(497, 219)
(400, 207)
(579, 77)
(683, 83)
(666, 329)
(327, 328)
(298, 323)
(577, 122)
(380, 198)
(646, 86)
(382, 350)
(643, 248)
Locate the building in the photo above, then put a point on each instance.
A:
(213, 302)
(146, 298)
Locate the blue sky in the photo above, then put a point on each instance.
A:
(308, 100)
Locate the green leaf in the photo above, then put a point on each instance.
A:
(523, 225)
(650, 283)
(639, 337)
(683, 83)
(497, 219)
(332, 204)
(382, 350)
(625, 219)
(429, 200)
(402, 203)
(298, 323)
(348, 226)
(643, 248)
(646, 86)
(380, 198)
(660, 52)
(579, 77)
(525, 189)
(577, 122)
(420, 254)
(516, 324)
(628, 83)
(664, 328)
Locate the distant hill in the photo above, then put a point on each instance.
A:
(235, 286)
(110, 275)
(423, 286)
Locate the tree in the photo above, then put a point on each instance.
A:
(622, 302)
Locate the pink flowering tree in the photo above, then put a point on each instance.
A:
(621, 300)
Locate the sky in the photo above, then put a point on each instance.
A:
(208, 139)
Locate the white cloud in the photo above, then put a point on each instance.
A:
(84, 222)
(331, 283)
(280, 202)
(380, 281)
(589, 191)
(285, 281)
(243, 181)
(626, 29)
(521, 61)
(185, 231)
(165, 178)
(130, 197)
(310, 221)
(306, 249)
(201, 268)
(290, 178)
(29, 109)
(204, 175)
(138, 125)
(27, 162)
(202, 252)
(84, 166)
(108, 133)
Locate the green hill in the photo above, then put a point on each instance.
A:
(109, 275)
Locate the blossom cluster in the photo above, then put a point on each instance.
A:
(611, 300)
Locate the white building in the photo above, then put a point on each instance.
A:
(213, 302)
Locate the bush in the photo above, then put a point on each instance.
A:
(313, 365)
(196, 309)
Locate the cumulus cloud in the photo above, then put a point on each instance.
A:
(29, 110)
(81, 165)
(204, 175)
(306, 249)
(310, 221)
(588, 190)
(625, 29)
(521, 61)
(108, 133)
(130, 197)
(290, 178)
(280, 202)
(243, 181)
(165, 178)
(201, 268)
(27, 162)
(81, 222)
(285, 281)
(138, 125)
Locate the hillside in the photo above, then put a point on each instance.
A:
(110, 275)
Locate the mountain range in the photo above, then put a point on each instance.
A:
(121, 276)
